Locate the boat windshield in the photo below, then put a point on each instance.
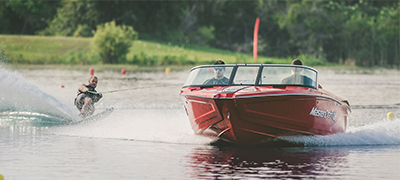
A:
(261, 75)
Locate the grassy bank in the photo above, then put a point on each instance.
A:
(78, 51)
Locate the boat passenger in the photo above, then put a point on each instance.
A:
(296, 77)
(219, 78)
(87, 96)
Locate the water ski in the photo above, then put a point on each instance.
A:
(97, 116)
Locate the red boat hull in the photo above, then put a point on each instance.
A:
(256, 114)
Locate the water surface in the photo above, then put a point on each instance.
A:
(148, 136)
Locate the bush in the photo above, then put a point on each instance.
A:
(113, 42)
(83, 31)
(78, 57)
(203, 36)
(3, 53)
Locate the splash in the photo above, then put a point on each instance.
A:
(145, 125)
(25, 101)
(384, 132)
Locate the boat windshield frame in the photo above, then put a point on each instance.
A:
(233, 69)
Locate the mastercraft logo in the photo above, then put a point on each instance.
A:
(325, 114)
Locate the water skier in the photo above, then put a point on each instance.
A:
(87, 96)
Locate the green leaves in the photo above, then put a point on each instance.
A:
(113, 42)
(363, 31)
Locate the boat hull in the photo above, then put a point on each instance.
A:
(253, 115)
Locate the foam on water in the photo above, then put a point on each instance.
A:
(384, 132)
(152, 125)
(21, 98)
(172, 126)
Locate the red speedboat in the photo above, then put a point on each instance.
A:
(251, 104)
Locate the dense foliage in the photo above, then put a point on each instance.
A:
(361, 32)
(113, 42)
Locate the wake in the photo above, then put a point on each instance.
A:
(21, 100)
(384, 132)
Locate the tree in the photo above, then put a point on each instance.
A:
(154, 20)
(72, 16)
(113, 42)
(371, 33)
(27, 16)
(362, 31)
(234, 25)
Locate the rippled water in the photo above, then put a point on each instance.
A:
(148, 136)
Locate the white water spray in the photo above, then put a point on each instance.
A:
(384, 132)
(18, 95)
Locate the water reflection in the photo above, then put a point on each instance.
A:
(265, 162)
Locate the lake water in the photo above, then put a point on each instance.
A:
(148, 135)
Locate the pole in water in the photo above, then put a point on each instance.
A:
(390, 116)
(91, 71)
(123, 71)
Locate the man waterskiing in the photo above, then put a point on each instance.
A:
(87, 96)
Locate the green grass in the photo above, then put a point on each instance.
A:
(39, 49)
(200, 54)
(23, 49)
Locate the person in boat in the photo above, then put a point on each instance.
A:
(219, 78)
(296, 77)
(87, 96)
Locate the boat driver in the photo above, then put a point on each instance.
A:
(219, 78)
(87, 96)
(296, 77)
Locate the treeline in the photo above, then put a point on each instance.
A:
(361, 32)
